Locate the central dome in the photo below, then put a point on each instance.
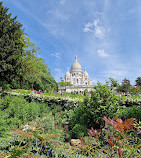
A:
(76, 67)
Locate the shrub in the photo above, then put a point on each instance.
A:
(102, 102)
(119, 140)
(129, 112)
(78, 131)
(4, 85)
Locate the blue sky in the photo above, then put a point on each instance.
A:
(104, 34)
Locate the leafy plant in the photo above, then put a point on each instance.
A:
(118, 136)
(90, 113)
(129, 112)
(78, 131)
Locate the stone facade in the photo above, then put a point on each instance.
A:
(77, 78)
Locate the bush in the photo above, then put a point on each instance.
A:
(79, 116)
(4, 85)
(15, 84)
(78, 131)
(16, 110)
(102, 102)
(130, 112)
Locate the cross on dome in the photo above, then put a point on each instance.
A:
(75, 57)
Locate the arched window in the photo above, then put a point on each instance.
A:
(77, 80)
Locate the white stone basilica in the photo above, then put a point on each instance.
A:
(77, 78)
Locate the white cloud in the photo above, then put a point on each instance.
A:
(96, 28)
(95, 23)
(57, 55)
(87, 29)
(99, 32)
(102, 53)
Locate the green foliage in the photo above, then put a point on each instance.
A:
(4, 85)
(86, 93)
(129, 101)
(16, 111)
(102, 102)
(36, 138)
(112, 82)
(61, 102)
(19, 65)
(11, 45)
(35, 72)
(129, 112)
(136, 90)
(120, 137)
(79, 116)
(125, 86)
(63, 84)
(45, 125)
(78, 131)
(138, 82)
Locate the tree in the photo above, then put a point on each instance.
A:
(125, 86)
(35, 72)
(11, 45)
(112, 83)
(138, 82)
(63, 84)
(19, 65)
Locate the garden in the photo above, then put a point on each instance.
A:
(102, 124)
(45, 124)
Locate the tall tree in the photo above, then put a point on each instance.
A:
(19, 65)
(138, 82)
(125, 86)
(112, 82)
(11, 45)
(35, 71)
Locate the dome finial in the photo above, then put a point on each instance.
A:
(85, 68)
(75, 57)
(67, 69)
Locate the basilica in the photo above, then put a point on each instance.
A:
(79, 80)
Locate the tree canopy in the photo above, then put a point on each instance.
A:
(11, 45)
(125, 86)
(63, 84)
(112, 82)
(138, 82)
(19, 65)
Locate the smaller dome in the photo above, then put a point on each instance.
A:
(85, 73)
(67, 73)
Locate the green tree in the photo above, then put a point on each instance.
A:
(125, 86)
(138, 82)
(19, 65)
(35, 71)
(11, 45)
(63, 84)
(112, 82)
(102, 102)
